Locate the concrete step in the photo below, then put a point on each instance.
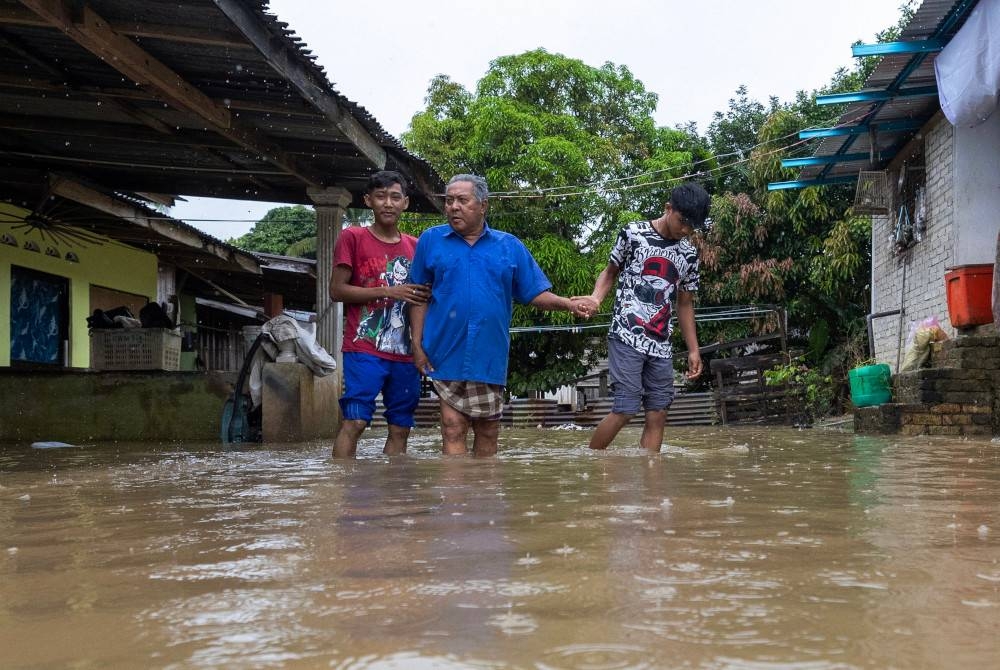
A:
(924, 419)
(944, 385)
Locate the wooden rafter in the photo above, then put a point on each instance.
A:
(303, 81)
(17, 16)
(92, 32)
(63, 81)
(85, 195)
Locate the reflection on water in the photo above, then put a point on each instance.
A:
(731, 549)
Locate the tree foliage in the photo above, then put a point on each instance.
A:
(802, 249)
(279, 229)
(291, 231)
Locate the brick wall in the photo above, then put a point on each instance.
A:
(923, 294)
(958, 396)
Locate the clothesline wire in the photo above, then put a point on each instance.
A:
(588, 188)
(702, 315)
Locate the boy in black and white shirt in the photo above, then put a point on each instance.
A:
(656, 268)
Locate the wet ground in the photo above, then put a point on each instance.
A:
(731, 549)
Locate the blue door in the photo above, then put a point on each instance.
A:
(38, 317)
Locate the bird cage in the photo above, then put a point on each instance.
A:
(873, 195)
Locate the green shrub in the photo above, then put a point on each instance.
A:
(812, 390)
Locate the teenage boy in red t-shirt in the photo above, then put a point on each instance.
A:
(371, 267)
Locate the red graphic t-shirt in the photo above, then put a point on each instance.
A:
(380, 327)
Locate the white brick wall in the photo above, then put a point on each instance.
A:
(923, 294)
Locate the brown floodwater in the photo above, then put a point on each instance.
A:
(733, 548)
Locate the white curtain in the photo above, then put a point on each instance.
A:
(968, 68)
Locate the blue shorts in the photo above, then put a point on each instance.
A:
(366, 375)
(637, 378)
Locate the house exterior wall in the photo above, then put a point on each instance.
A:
(977, 192)
(914, 280)
(110, 265)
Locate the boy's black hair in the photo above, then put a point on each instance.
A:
(693, 203)
(386, 178)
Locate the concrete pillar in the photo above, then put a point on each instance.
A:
(326, 406)
(287, 403)
(330, 204)
(297, 405)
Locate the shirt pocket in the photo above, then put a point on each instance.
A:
(449, 276)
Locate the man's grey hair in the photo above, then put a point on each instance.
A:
(479, 187)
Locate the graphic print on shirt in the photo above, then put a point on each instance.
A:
(650, 311)
(652, 269)
(385, 324)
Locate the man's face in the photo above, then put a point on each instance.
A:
(465, 213)
(387, 203)
(677, 226)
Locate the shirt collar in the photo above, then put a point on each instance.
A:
(486, 229)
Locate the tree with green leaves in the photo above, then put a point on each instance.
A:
(291, 231)
(570, 152)
(804, 249)
(279, 229)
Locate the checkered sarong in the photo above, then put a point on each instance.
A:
(477, 400)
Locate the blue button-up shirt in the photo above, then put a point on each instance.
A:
(473, 288)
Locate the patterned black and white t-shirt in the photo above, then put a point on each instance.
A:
(651, 269)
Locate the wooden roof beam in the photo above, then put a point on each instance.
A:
(16, 16)
(95, 34)
(168, 228)
(303, 81)
(65, 81)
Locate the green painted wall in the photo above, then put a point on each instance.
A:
(87, 407)
(109, 264)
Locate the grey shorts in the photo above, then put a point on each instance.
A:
(638, 379)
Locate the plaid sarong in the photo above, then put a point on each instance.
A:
(477, 400)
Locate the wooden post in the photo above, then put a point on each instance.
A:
(274, 304)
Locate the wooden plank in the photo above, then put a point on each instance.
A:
(732, 344)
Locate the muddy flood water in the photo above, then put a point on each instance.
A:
(733, 548)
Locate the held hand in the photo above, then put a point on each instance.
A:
(414, 294)
(694, 365)
(421, 361)
(583, 306)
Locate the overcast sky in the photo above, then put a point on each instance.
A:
(692, 54)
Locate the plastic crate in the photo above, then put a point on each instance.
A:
(135, 349)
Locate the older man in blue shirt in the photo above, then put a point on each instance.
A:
(461, 338)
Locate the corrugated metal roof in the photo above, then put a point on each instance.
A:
(934, 18)
(212, 98)
(62, 107)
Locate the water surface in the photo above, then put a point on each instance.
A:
(733, 548)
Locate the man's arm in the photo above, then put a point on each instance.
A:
(605, 282)
(417, 315)
(685, 319)
(550, 302)
(341, 290)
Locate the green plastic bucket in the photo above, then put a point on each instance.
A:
(870, 385)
